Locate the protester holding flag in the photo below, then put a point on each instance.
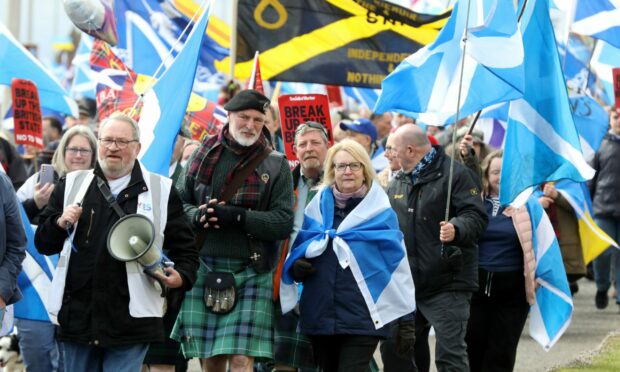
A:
(351, 258)
(606, 207)
(442, 253)
(505, 277)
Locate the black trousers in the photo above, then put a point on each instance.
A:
(498, 313)
(392, 361)
(344, 353)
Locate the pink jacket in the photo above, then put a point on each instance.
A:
(523, 225)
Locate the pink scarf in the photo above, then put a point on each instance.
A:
(341, 198)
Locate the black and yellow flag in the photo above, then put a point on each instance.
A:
(338, 42)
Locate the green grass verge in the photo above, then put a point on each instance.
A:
(606, 360)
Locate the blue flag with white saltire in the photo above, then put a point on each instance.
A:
(369, 242)
(604, 59)
(426, 84)
(591, 122)
(17, 62)
(166, 102)
(541, 142)
(551, 314)
(85, 79)
(599, 19)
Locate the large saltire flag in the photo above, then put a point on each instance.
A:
(166, 102)
(593, 239)
(17, 62)
(551, 314)
(427, 84)
(333, 42)
(542, 143)
(369, 242)
(599, 19)
(84, 82)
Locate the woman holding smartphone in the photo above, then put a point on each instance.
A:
(37, 337)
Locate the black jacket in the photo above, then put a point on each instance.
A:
(95, 307)
(604, 186)
(420, 209)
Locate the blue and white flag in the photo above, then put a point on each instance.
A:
(369, 242)
(366, 97)
(604, 59)
(165, 104)
(552, 312)
(17, 62)
(85, 79)
(541, 142)
(426, 84)
(591, 122)
(599, 19)
(35, 279)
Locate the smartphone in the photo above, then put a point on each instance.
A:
(46, 175)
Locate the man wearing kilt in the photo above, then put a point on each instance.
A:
(238, 193)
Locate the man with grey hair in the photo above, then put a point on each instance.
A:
(109, 310)
(443, 254)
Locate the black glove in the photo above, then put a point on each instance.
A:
(405, 338)
(302, 268)
(227, 215)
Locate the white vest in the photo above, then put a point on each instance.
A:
(145, 299)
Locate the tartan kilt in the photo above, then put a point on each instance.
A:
(247, 330)
(291, 348)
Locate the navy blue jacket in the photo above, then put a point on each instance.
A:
(12, 242)
(331, 302)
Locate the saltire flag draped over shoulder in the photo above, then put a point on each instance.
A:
(541, 142)
(368, 242)
(593, 239)
(426, 84)
(599, 19)
(333, 42)
(17, 62)
(551, 314)
(166, 102)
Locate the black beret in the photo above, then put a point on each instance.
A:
(248, 99)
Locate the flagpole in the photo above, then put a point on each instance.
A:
(233, 39)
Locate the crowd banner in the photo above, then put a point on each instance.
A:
(333, 42)
(296, 109)
(26, 113)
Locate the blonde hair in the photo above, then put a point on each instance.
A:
(486, 164)
(58, 160)
(357, 152)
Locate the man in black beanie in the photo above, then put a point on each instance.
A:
(239, 195)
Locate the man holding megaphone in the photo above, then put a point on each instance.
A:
(110, 225)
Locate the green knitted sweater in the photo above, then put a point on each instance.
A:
(275, 223)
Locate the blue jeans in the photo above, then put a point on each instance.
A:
(603, 263)
(85, 358)
(39, 348)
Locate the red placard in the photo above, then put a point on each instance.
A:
(296, 109)
(26, 113)
(616, 72)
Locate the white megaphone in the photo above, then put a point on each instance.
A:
(131, 239)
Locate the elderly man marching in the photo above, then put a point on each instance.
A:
(109, 310)
(239, 195)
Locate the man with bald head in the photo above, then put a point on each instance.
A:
(443, 254)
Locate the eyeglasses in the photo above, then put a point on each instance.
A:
(353, 166)
(121, 144)
(313, 125)
(78, 150)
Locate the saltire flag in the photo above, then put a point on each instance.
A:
(366, 97)
(593, 239)
(35, 279)
(369, 242)
(256, 82)
(550, 316)
(599, 19)
(604, 59)
(118, 88)
(541, 142)
(591, 121)
(426, 85)
(84, 82)
(166, 102)
(17, 62)
(332, 42)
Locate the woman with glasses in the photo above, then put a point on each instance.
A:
(37, 335)
(350, 257)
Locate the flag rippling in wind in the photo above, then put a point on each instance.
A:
(599, 19)
(165, 103)
(366, 243)
(552, 312)
(426, 84)
(541, 141)
(17, 62)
